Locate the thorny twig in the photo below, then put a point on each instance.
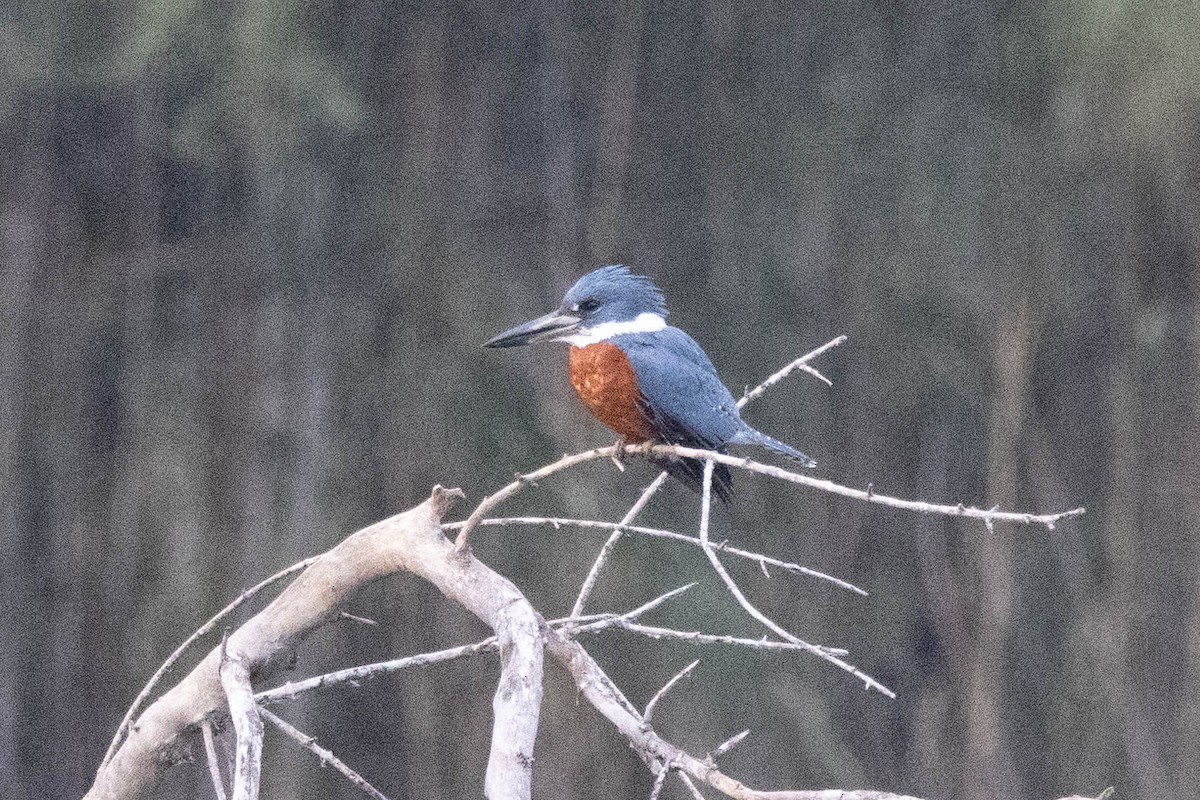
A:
(326, 755)
(762, 560)
(705, 506)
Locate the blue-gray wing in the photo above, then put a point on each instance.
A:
(686, 400)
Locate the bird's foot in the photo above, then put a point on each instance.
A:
(618, 456)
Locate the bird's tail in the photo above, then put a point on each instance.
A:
(748, 435)
(690, 472)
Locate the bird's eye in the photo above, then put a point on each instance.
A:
(587, 305)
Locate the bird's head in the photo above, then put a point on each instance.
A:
(604, 303)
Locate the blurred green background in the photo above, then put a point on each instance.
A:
(250, 251)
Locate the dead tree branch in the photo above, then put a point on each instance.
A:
(590, 581)
(211, 625)
(594, 684)
(989, 516)
(800, 363)
(683, 673)
(247, 766)
(214, 763)
(411, 541)
(752, 610)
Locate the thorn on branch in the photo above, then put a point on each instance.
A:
(726, 746)
(354, 618)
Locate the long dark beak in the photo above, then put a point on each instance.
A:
(542, 329)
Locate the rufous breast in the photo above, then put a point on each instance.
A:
(606, 383)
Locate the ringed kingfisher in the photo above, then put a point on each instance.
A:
(648, 381)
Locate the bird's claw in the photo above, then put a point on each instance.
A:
(618, 456)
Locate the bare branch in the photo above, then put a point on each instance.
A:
(414, 541)
(683, 673)
(352, 675)
(493, 500)
(659, 780)
(595, 685)
(813, 371)
(326, 756)
(710, 638)
(179, 651)
(687, 781)
(705, 506)
(761, 559)
(247, 765)
(1047, 520)
(590, 581)
(570, 626)
(214, 764)
(800, 363)
(990, 515)
(614, 619)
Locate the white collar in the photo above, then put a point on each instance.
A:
(646, 322)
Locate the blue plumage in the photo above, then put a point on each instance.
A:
(679, 383)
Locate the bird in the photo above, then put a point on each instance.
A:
(644, 379)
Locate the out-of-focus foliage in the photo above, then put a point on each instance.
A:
(249, 252)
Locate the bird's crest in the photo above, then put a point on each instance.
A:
(614, 293)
